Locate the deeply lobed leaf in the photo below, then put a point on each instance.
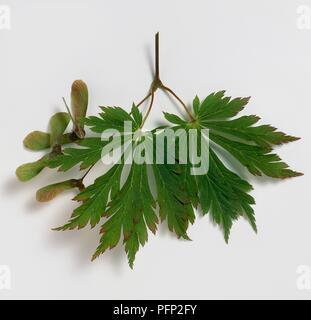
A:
(130, 208)
(87, 156)
(131, 212)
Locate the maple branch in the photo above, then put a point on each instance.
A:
(177, 98)
(157, 57)
(143, 100)
(148, 111)
(156, 81)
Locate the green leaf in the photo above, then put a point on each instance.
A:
(221, 192)
(188, 183)
(89, 154)
(131, 212)
(137, 115)
(256, 159)
(196, 104)
(225, 195)
(131, 208)
(249, 144)
(216, 106)
(58, 124)
(128, 207)
(242, 128)
(174, 119)
(49, 192)
(95, 199)
(174, 203)
(111, 118)
(172, 188)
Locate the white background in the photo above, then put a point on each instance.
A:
(246, 47)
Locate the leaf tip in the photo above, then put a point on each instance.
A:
(94, 256)
(58, 229)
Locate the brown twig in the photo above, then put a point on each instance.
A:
(148, 111)
(169, 90)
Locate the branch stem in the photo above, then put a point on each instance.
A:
(156, 81)
(143, 100)
(157, 56)
(87, 172)
(148, 111)
(169, 90)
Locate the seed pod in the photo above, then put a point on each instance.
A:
(58, 124)
(29, 170)
(49, 192)
(79, 102)
(37, 140)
